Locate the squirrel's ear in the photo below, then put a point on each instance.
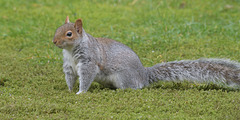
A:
(67, 20)
(78, 26)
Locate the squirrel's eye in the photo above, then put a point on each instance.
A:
(69, 34)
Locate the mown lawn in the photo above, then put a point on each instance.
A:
(32, 84)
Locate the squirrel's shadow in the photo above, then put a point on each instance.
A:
(98, 87)
(185, 85)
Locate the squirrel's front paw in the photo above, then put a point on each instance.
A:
(79, 92)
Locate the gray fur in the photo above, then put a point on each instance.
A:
(115, 65)
(219, 71)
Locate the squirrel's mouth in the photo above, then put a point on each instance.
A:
(60, 46)
(65, 44)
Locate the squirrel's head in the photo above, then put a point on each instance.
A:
(66, 35)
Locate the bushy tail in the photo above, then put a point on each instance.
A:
(219, 71)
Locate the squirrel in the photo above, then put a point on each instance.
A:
(115, 65)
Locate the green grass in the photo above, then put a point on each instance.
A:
(32, 84)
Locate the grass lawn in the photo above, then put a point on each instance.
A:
(32, 84)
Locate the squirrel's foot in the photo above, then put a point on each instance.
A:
(79, 92)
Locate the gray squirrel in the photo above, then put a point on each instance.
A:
(115, 65)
